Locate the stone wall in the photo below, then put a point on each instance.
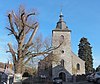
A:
(76, 60)
(65, 47)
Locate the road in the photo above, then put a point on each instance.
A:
(84, 82)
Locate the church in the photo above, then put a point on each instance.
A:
(61, 62)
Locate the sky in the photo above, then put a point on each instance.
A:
(81, 16)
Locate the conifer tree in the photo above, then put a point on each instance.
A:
(85, 53)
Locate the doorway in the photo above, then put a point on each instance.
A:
(62, 76)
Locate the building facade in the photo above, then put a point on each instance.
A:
(62, 62)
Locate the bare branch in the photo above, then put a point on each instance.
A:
(9, 29)
(34, 55)
(48, 51)
(15, 16)
(32, 36)
(22, 19)
(11, 26)
(32, 26)
(27, 31)
(12, 52)
(30, 15)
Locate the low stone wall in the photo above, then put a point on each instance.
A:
(36, 80)
(80, 78)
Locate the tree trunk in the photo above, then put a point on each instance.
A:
(19, 66)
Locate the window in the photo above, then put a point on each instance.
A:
(62, 62)
(61, 38)
(62, 51)
(78, 66)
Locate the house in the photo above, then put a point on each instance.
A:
(6, 67)
(62, 62)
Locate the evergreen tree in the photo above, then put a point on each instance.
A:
(98, 68)
(85, 53)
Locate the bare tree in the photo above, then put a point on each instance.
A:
(24, 32)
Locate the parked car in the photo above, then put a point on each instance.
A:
(57, 81)
(96, 77)
(90, 77)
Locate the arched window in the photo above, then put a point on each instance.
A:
(62, 62)
(78, 66)
(61, 38)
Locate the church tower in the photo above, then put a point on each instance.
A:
(61, 35)
(61, 62)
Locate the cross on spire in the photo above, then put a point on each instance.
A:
(61, 15)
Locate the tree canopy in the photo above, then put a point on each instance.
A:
(85, 53)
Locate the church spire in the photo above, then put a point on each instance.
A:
(61, 24)
(61, 16)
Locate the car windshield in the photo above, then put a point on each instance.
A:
(98, 73)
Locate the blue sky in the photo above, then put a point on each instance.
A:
(81, 16)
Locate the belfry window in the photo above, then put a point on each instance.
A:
(78, 66)
(61, 38)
